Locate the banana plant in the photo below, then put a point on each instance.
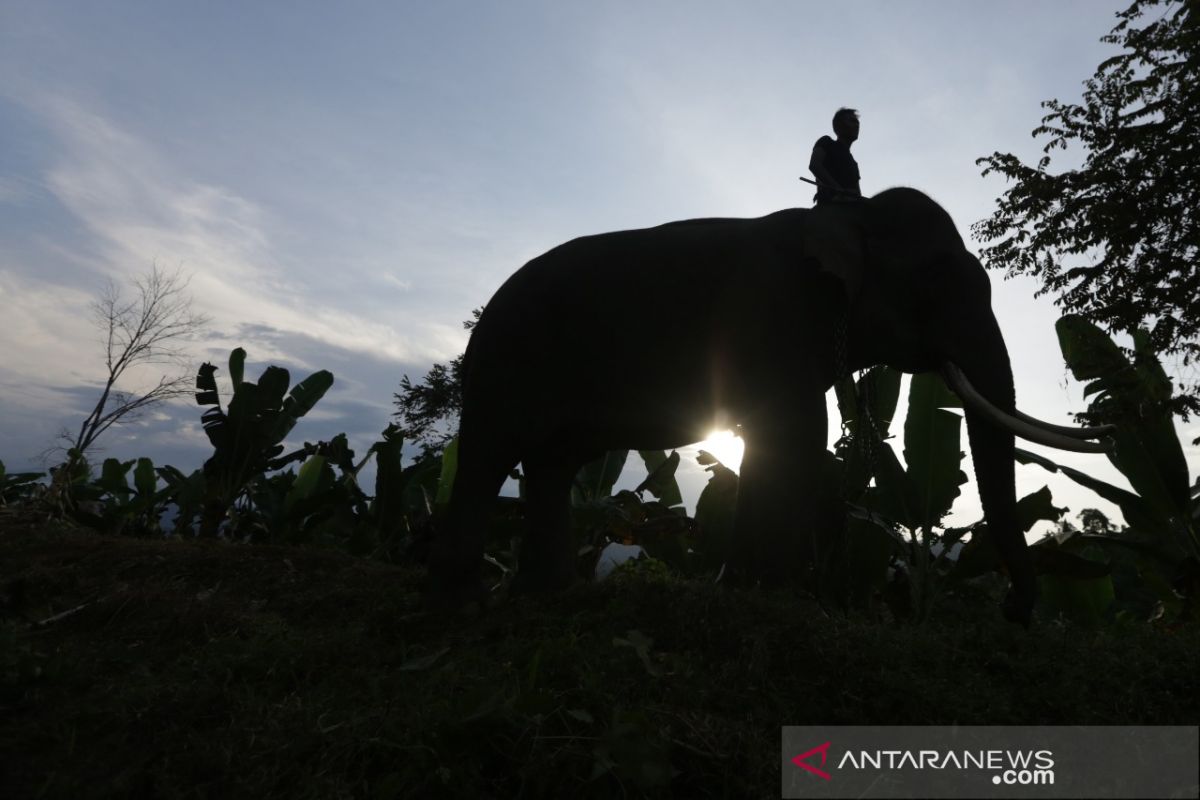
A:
(297, 507)
(915, 497)
(393, 500)
(187, 492)
(596, 479)
(406, 497)
(112, 504)
(660, 477)
(715, 511)
(1162, 511)
(660, 525)
(249, 433)
(867, 407)
(919, 495)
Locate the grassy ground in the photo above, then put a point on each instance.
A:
(200, 669)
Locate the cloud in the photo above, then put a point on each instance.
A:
(399, 283)
(44, 331)
(123, 205)
(141, 210)
(16, 191)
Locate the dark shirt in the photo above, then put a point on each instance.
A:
(841, 166)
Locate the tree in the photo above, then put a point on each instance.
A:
(149, 329)
(428, 411)
(1118, 238)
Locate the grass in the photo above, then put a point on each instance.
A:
(194, 669)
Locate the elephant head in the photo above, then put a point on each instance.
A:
(647, 338)
(900, 257)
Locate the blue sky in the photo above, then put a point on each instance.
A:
(345, 182)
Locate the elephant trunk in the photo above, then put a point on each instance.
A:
(985, 363)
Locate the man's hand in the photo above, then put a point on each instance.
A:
(839, 195)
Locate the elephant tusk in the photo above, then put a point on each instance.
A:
(1021, 426)
(1067, 430)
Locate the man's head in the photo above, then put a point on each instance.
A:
(845, 124)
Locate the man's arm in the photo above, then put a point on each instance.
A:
(816, 165)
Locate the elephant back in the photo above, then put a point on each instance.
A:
(833, 237)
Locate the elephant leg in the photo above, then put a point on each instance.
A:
(786, 500)
(456, 559)
(547, 557)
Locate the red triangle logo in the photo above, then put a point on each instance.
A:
(823, 749)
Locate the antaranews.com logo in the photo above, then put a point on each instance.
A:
(1006, 767)
(1046, 762)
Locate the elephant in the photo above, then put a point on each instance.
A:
(652, 338)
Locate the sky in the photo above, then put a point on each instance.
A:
(344, 182)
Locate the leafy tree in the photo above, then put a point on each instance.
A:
(1118, 238)
(428, 411)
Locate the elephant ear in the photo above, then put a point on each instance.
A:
(834, 238)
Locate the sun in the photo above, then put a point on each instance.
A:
(726, 446)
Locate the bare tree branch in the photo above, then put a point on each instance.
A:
(151, 328)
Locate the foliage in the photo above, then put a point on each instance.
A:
(111, 503)
(245, 487)
(402, 507)
(867, 407)
(896, 512)
(247, 437)
(919, 495)
(898, 518)
(1162, 512)
(596, 479)
(428, 411)
(1126, 220)
(322, 502)
(660, 477)
(715, 509)
(250, 491)
(660, 526)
